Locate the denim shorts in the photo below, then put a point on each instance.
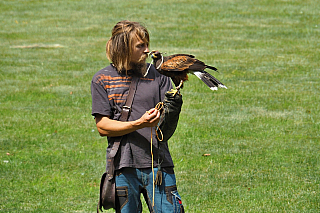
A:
(131, 183)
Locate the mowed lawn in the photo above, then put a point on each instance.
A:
(251, 148)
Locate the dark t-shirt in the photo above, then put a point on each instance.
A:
(109, 91)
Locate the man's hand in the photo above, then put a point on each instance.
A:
(150, 118)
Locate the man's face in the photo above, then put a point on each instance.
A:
(140, 51)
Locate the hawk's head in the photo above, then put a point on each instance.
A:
(155, 54)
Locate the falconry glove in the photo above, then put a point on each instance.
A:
(169, 117)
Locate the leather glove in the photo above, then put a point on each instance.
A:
(169, 117)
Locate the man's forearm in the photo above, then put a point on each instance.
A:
(114, 128)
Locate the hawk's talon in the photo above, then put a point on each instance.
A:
(180, 85)
(174, 92)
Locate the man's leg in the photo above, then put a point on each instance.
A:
(128, 186)
(166, 196)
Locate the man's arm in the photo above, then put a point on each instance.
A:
(113, 128)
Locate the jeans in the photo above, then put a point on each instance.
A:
(130, 183)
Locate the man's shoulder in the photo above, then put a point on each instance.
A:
(161, 78)
(107, 71)
(154, 72)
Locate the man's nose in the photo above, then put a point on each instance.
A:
(146, 50)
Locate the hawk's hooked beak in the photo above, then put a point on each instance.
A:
(153, 56)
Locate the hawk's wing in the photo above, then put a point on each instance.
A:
(177, 62)
(182, 62)
(174, 55)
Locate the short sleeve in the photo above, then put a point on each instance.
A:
(100, 101)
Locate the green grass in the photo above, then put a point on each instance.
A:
(262, 133)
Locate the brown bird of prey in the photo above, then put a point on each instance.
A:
(179, 65)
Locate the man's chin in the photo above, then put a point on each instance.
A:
(139, 69)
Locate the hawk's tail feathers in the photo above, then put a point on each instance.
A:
(209, 80)
(212, 68)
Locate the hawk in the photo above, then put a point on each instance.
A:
(178, 66)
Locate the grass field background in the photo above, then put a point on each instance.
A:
(262, 133)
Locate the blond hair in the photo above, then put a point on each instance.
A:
(119, 47)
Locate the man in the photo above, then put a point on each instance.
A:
(127, 49)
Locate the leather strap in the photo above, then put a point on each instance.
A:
(125, 114)
(126, 109)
